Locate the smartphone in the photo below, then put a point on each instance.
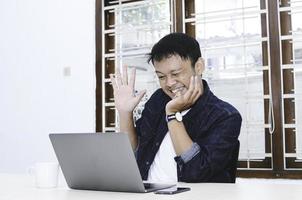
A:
(173, 190)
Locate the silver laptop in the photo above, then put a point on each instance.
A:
(100, 161)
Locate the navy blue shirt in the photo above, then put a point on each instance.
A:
(212, 124)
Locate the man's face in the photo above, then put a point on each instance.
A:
(174, 74)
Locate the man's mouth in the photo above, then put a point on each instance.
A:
(177, 90)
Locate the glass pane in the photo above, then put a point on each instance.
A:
(229, 33)
(254, 58)
(298, 107)
(222, 30)
(139, 26)
(142, 25)
(251, 3)
(296, 22)
(216, 5)
(225, 59)
(130, 28)
(296, 116)
(296, 16)
(256, 147)
(252, 28)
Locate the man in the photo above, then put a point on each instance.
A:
(185, 132)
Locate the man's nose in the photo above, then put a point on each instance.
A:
(170, 81)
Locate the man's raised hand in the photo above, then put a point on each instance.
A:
(124, 93)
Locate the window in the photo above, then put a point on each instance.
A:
(253, 55)
(129, 30)
(291, 70)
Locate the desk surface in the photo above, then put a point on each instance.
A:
(17, 187)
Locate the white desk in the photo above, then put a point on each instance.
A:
(21, 187)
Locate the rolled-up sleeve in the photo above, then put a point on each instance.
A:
(190, 153)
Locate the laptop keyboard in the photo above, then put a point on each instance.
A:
(148, 185)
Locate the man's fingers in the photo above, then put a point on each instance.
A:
(188, 94)
(178, 93)
(197, 89)
(132, 78)
(113, 82)
(118, 78)
(140, 95)
(125, 75)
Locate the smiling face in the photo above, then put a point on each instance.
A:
(174, 74)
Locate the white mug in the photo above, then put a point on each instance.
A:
(45, 174)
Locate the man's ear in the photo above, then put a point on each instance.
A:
(199, 66)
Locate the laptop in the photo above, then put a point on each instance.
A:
(100, 161)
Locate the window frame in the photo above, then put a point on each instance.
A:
(180, 9)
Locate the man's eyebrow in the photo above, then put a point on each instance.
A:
(177, 70)
(158, 72)
(174, 70)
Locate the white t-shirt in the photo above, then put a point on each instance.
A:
(164, 167)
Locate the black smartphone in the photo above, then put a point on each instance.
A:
(173, 190)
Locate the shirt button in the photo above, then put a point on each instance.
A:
(147, 163)
(157, 143)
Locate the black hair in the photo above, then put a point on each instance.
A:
(175, 44)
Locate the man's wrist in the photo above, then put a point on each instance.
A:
(170, 112)
(124, 114)
(177, 116)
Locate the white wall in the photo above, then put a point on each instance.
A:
(39, 41)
